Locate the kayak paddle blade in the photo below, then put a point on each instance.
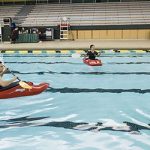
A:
(76, 55)
(25, 85)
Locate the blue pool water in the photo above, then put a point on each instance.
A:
(86, 108)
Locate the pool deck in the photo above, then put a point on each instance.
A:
(78, 44)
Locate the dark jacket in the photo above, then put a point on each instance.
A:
(14, 35)
(92, 55)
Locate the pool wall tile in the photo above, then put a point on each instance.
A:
(82, 51)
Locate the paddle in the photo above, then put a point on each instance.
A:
(21, 83)
(76, 55)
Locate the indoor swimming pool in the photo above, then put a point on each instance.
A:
(85, 108)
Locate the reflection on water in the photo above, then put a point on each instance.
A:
(82, 126)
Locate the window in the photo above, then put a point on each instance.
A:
(53, 1)
(77, 1)
(114, 0)
(64, 1)
(89, 1)
(99, 1)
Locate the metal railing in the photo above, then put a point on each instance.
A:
(3, 2)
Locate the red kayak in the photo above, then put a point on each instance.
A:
(18, 91)
(91, 62)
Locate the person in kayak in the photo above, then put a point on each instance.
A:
(91, 54)
(4, 83)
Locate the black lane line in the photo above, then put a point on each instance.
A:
(84, 73)
(96, 90)
(38, 62)
(117, 63)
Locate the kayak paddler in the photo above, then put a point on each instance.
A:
(5, 83)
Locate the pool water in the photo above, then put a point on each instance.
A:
(85, 108)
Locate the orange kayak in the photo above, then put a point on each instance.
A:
(91, 62)
(18, 91)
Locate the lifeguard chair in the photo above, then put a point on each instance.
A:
(65, 30)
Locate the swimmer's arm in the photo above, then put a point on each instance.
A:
(98, 54)
(85, 55)
(4, 71)
(8, 82)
